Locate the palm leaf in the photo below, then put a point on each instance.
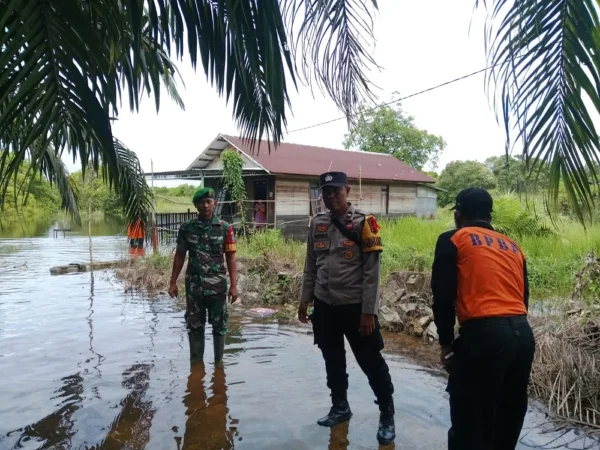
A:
(244, 54)
(65, 63)
(135, 194)
(547, 66)
(330, 42)
(68, 64)
(55, 171)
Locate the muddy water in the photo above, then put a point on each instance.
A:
(87, 366)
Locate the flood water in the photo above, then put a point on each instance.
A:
(85, 365)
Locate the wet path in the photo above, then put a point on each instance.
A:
(93, 367)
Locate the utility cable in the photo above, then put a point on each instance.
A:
(446, 83)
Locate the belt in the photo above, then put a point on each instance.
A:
(484, 322)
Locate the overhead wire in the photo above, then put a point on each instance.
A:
(414, 94)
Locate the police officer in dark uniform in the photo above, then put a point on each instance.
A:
(480, 276)
(341, 277)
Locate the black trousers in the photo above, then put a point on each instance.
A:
(136, 243)
(489, 374)
(330, 325)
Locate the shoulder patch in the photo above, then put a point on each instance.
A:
(230, 242)
(371, 238)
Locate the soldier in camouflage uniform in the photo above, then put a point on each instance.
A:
(210, 244)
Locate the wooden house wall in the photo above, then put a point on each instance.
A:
(292, 206)
(366, 197)
(291, 209)
(402, 199)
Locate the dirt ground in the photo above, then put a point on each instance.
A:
(425, 353)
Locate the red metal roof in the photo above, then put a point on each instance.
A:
(296, 159)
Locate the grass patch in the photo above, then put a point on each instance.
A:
(151, 273)
(552, 259)
(173, 204)
(272, 244)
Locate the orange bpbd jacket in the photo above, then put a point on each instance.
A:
(477, 273)
(135, 231)
(490, 280)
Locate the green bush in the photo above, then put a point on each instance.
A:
(554, 255)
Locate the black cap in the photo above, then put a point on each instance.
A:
(333, 179)
(473, 201)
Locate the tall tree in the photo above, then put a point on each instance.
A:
(512, 174)
(386, 129)
(459, 175)
(509, 173)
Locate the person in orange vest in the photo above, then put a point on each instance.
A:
(135, 233)
(480, 276)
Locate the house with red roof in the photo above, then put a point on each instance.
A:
(284, 178)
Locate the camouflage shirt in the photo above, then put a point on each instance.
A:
(206, 242)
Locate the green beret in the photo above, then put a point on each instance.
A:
(203, 193)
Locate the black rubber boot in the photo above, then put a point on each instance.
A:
(196, 347)
(339, 412)
(387, 428)
(219, 346)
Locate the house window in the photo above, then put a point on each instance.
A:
(385, 200)
(316, 203)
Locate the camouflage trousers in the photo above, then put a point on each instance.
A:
(197, 307)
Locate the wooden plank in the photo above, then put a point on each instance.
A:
(367, 197)
(426, 192)
(402, 199)
(292, 197)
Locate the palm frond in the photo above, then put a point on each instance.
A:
(547, 73)
(64, 64)
(244, 53)
(55, 171)
(132, 188)
(331, 40)
(52, 86)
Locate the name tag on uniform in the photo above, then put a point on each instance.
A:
(349, 244)
(322, 228)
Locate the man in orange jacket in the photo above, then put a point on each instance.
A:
(135, 233)
(480, 276)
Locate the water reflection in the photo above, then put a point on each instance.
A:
(90, 321)
(56, 429)
(136, 252)
(207, 424)
(338, 437)
(35, 227)
(96, 368)
(131, 428)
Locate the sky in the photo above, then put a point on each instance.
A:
(419, 44)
